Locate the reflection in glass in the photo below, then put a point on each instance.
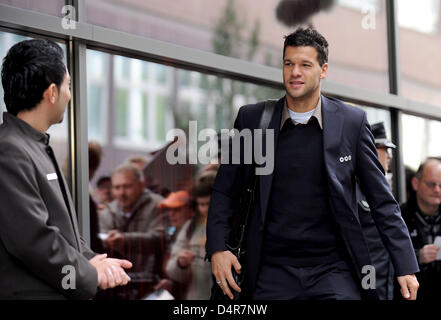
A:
(420, 42)
(420, 139)
(422, 16)
(52, 7)
(356, 32)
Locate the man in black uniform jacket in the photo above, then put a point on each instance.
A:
(422, 215)
(384, 272)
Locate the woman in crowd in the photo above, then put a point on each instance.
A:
(186, 263)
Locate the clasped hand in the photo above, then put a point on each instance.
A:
(110, 271)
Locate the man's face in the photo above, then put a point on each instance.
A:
(104, 192)
(126, 188)
(63, 98)
(385, 157)
(203, 204)
(178, 216)
(428, 187)
(302, 72)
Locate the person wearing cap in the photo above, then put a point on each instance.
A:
(133, 227)
(104, 191)
(384, 272)
(177, 207)
(422, 214)
(187, 264)
(383, 145)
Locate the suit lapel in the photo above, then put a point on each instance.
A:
(266, 180)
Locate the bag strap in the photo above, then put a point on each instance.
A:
(252, 181)
(267, 113)
(265, 119)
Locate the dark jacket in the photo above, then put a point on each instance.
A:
(384, 270)
(38, 226)
(423, 230)
(143, 244)
(346, 132)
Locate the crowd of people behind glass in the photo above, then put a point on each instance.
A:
(161, 231)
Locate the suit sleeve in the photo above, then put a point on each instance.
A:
(27, 234)
(224, 200)
(384, 208)
(86, 251)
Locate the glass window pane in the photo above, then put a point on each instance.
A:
(161, 74)
(420, 43)
(144, 116)
(376, 115)
(160, 118)
(94, 111)
(144, 71)
(420, 139)
(356, 31)
(52, 7)
(97, 95)
(121, 112)
(422, 16)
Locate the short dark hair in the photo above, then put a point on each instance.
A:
(204, 184)
(28, 69)
(95, 154)
(102, 180)
(307, 37)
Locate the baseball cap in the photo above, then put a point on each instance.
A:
(175, 200)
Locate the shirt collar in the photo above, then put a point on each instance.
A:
(25, 128)
(317, 114)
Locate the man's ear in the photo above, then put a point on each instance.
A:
(324, 72)
(51, 93)
(415, 183)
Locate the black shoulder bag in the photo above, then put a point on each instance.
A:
(247, 206)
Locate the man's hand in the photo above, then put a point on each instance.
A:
(221, 264)
(427, 254)
(185, 258)
(165, 284)
(409, 286)
(110, 271)
(115, 241)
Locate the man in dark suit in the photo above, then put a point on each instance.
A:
(42, 255)
(303, 239)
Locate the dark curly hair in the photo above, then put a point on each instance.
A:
(309, 38)
(28, 69)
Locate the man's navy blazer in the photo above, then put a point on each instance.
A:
(349, 151)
